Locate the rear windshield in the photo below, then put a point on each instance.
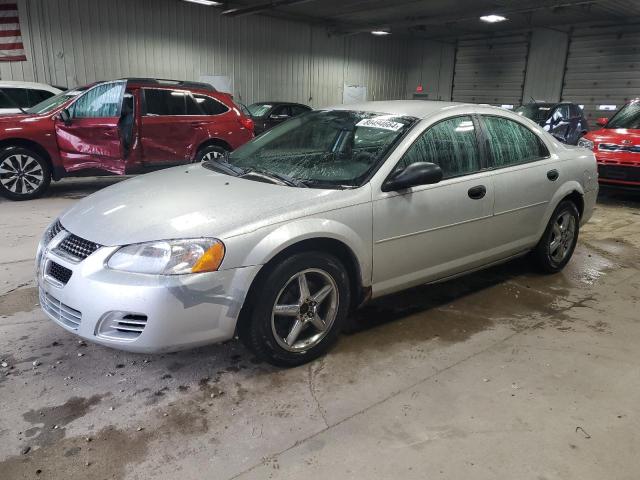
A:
(54, 102)
(535, 111)
(627, 117)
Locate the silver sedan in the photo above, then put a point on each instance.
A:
(278, 241)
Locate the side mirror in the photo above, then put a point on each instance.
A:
(65, 116)
(419, 173)
(602, 121)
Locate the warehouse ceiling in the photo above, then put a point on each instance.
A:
(441, 18)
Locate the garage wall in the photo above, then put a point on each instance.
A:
(430, 64)
(545, 68)
(491, 70)
(73, 42)
(603, 68)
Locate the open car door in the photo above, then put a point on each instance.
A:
(88, 131)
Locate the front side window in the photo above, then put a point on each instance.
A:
(159, 102)
(561, 113)
(538, 112)
(627, 117)
(334, 148)
(101, 101)
(37, 96)
(511, 143)
(298, 110)
(451, 144)
(209, 106)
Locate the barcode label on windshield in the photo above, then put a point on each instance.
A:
(380, 123)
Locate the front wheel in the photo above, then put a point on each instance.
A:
(24, 174)
(298, 309)
(559, 240)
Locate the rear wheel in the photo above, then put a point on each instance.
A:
(23, 174)
(559, 240)
(298, 309)
(210, 152)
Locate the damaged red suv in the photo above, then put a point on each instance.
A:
(116, 128)
(616, 146)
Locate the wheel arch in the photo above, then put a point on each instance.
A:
(571, 190)
(311, 243)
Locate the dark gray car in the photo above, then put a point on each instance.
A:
(563, 120)
(266, 115)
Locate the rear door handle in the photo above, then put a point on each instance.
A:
(478, 192)
(553, 175)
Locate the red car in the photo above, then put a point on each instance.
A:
(617, 147)
(115, 128)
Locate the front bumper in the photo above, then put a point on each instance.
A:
(613, 174)
(135, 312)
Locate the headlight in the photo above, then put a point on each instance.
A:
(583, 142)
(170, 257)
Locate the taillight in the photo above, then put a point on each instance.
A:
(246, 123)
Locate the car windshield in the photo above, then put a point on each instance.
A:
(54, 102)
(535, 111)
(325, 149)
(259, 109)
(627, 117)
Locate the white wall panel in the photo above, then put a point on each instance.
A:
(545, 69)
(73, 42)
(430, 65)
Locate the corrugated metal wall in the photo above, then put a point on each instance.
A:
(430, 65)
(547, 56)
(603, 68)
(491, 70)
(72, 42)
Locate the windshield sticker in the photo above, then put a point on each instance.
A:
(380, 123)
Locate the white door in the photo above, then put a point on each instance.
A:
(525, 180)
(432, 231)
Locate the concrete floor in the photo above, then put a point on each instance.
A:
(502, 374)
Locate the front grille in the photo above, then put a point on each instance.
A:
(77, 247)
(618, 172)
(62, 313)
(122, 326)
(612, 147)
(58, 272)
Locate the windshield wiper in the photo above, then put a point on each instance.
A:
(224, 167)
(287, 180)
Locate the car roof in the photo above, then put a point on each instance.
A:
(405, 108)
(30, 85)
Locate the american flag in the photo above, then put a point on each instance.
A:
(11, 47)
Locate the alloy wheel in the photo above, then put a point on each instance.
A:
(562, 236)
(213, 155)
(21, 174)
(305, 310)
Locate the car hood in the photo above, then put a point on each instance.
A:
(614, 135)
(191, 202)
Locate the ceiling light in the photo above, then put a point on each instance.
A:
(209, 3)
(493, 18)
(380, 32)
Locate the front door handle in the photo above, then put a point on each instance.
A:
(478, 192)
(553, 175)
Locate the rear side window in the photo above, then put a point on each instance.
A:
(165, 102)
(511, 143)
(37, 96)
(18, 97)
(451, 144)
(209, 106)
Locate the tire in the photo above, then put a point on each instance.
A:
(24, 174)
(294, 337)
(555, 248)
(209, 152)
